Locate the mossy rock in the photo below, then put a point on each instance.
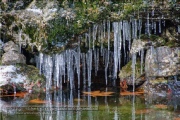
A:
(126, 71)
(32, 73)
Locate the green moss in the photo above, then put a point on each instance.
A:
(126, 71)
(31, 71)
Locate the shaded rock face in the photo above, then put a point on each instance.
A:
(11, 55)
(162, 61)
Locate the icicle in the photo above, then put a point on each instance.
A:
(106, 63)
(94, 34)
(97, 57)
(89, 65)
(152, 12)
(124, 38)
(101, 37)
(119, 44)
(142, 60)
(40, 63)
(89, 35)
(133, 69)
(104, 28)
(84, 67)
(108, 29)
(154, 27)
(86, 39)
(95, 61)
(115, 26)
(78, 63)
(57, 70)
(178, 28)
(48, 70)
(159, 25)
(140, 27)
(148, 25)
(20, 40)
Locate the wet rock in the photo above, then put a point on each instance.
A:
(156, 90)
(162, 61)
(13, 57)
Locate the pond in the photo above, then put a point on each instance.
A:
(106, 103)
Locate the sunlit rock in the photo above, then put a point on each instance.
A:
(10, 46)
(12, 57)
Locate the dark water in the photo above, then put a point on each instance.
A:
(93, 104)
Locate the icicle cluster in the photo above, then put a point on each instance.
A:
(62, 67)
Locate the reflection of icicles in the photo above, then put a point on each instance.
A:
(142, 60)
(78, 113)
(90, 116)
(133, 108)
(116, 117)
(70, 104)
(108, 30)
(133, 69)
(49, 106)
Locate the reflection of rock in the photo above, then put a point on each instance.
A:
(13, 102)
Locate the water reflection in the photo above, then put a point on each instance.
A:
(75, 104)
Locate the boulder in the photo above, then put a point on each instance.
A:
(162, 62)
(126, 73)
(13, 57)
(10, 46)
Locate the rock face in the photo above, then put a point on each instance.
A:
(11, 55)
(162, 61)
(10, 46)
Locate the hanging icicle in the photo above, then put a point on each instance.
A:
(115, 26)
(133, 69)
(178, 28)
(108, 30)
(142, 60)
(159, 25)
